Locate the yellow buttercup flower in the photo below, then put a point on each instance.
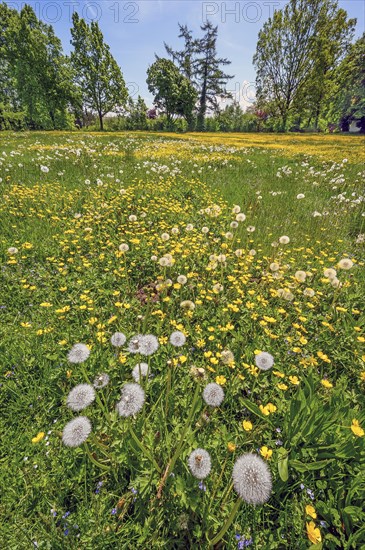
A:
(326, 383)
(231, 447)
(313, 533)
(247, 425)
(310, 511)
(221, 380)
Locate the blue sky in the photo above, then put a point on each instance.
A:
(135, 30)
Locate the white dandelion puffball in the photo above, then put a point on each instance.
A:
(335, 283)
(134, 344)
(205, 229)
(300, 196)
(250, 228)
(236, 209)
(165, 236)
(284, 240)
(76, 431)
(252, 479)
(182, 280)
(345, 264)
(132, 399)
(300, 276)
(187, 304)
(264, 360)
(80, 396)
(309, 292)
(101, 381)
(330, 273)
(148, 344)
(199, 463)
(140, 371)
(177, 338)
(189, 227)
(240, 217)
(132, 218)
(123, 247)
(78, 353)
(44, 169)
(13, 250)
(274, 266)
(175, 230)
(213, 394)
(118, 339)
(227, 357)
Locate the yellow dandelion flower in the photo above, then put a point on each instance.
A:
(38, 437)
(265, 452)
(326, 383)
(356, 428)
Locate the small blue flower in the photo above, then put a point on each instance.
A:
(134, 491)
(202, 487)
(66, 531)
(114, 511)
(66, 515)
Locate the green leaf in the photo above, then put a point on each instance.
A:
(283, 464)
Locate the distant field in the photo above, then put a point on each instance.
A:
(235, 285)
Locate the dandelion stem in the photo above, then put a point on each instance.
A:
(143, 449)
(227, 524)
(94, 461)
(173, 460)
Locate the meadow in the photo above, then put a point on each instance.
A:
(194, 303)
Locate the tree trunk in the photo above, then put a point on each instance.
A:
(101, 121)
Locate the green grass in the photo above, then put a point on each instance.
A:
(69, 283)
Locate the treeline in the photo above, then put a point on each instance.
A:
(310, 76)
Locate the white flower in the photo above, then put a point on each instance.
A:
(44, 169)
(236, 209)
(300, 196)
(80, 396)
(274, 266)
(101, 381)
(330, 273)
(13, 250)
(300, 276)
(182, 280)
(78, 353)
(284, 240)
(240, 217)
(132, 400)
(199, 463)
(148, 344)
(123, 247)
(345, 264)
(134, 345)
(177, 338)
(213, 394)
(118, 339)
(309, 292)
(264, 360)
(76, 431)
(139, 371)
(250, 228)
(189, 227)
(165, 236)
(252, 479)
(132, 218)
(205, 229)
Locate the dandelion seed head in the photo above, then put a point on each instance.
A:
(199, 463)
(134, 344)
(123, 247)
(148, 344)
(177, 338)
(118, 339)
(213, 394)
(264, 360)
(345, 264)
(132, 400)
(139, 371)
(80, 396)
(78, 353)
(284, 239)
(182, 280)
(252, 479)
(76, 431)
(101, 380)
(330, 273)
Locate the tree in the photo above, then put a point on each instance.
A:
(211, 79)
(349, 98)
(296, 50)
(199, 63)
(98, 75)
(137, 114)
(173, 92)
